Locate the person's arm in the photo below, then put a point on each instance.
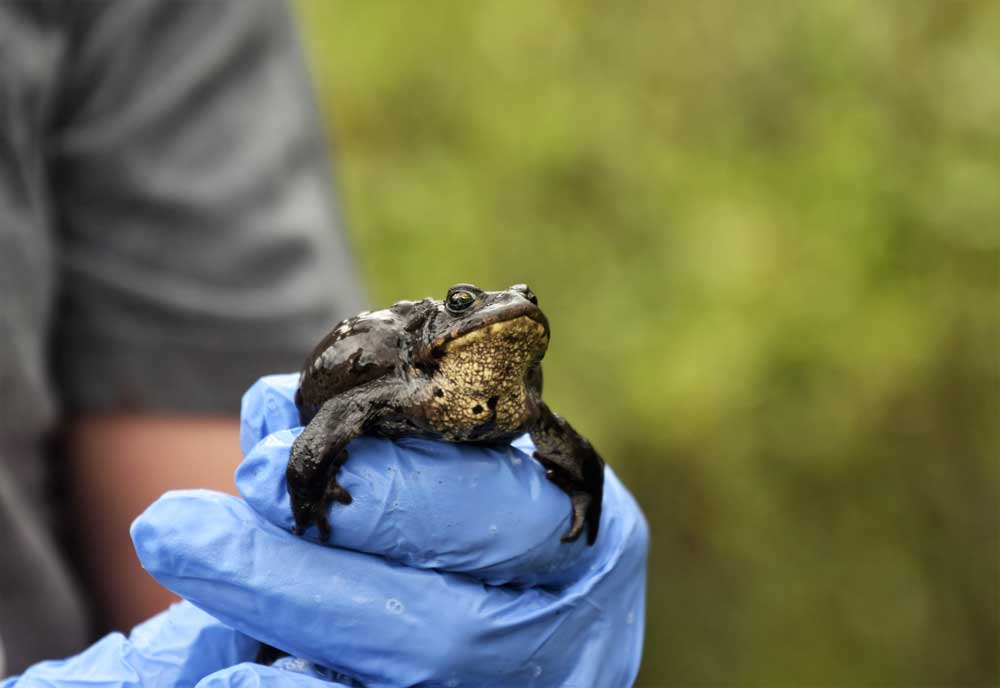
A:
(199, 248)
(116, 466)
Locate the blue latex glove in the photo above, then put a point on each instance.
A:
(179, 648)
(446, 570)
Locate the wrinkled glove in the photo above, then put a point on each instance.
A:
(445, 570)
(181, 647)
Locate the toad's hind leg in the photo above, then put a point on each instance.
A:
(317, 454)
(573, 465)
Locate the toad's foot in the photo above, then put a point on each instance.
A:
(572, 464)
(583, 511)
(316, 456)
(311, 509)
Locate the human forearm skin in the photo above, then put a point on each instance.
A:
(117, 465)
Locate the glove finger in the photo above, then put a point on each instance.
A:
(178, 647)
(249, 675)
(268, 406)
(485, 511)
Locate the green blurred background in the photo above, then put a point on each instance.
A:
(766, 235)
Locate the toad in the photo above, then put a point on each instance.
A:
(465, 369)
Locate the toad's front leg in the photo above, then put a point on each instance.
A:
(575, 467)
(319, 452)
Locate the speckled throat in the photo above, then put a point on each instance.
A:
(480, 386)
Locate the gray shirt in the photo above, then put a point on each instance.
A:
(166, 237)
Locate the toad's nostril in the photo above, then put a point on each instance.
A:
(526, 291)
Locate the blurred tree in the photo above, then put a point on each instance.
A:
(768, 239)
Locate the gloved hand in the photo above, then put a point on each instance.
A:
(446, 569)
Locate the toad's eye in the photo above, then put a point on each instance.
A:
(459, 300)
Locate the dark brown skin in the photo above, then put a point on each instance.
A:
(466, 369)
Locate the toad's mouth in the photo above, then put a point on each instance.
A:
(505, 325)
(521, 332)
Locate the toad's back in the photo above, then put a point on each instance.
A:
(358, 350)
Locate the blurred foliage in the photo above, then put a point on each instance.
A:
(766, 235)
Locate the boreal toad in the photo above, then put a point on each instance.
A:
(465, 369)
